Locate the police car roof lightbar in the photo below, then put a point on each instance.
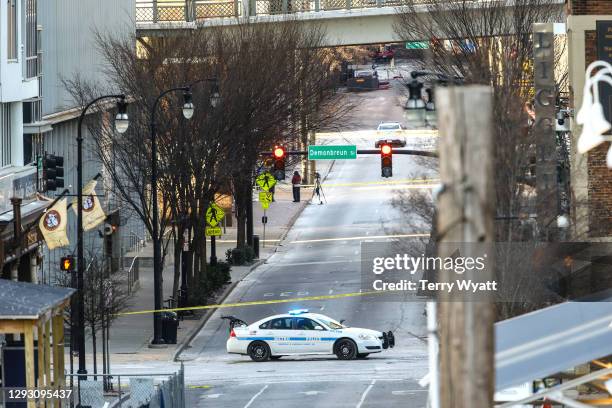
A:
(298, 311)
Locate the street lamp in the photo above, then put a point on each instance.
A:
(157, 267)
(414, 111)
(121, 125)
(430, 109)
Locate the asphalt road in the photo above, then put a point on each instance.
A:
(321, 256)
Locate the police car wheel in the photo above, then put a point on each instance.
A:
(363, 355)
(346, 349)
(259, 351)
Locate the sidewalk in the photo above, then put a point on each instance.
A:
(130, 335)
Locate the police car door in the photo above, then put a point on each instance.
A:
(310, 336)
(282, 333)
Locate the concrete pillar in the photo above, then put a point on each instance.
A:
(17, 133)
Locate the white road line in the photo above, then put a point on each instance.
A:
(365, 393)
(255, 396)
(305, 241)
(331, 291)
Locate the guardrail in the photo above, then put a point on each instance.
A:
(140, 390)
(193, 10)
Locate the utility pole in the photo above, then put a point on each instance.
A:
(466, 209)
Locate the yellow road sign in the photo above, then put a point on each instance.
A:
(214, 215)
(266, 181)
(213, 231)
(265, 204)
(265, 197)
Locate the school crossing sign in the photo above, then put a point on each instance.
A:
(214, 215)
(265, 181)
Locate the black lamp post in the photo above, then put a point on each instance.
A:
(157, 267)
(121, 124)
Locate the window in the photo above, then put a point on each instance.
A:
(11, 13)
(302, 323)
(283, 323)
(31, 39)
(5, 134)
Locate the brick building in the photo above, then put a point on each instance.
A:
(591, 180)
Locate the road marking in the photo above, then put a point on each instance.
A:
(255, 396)
(306, 241)
(331, 291)
(404, 392)
(322, 308)
(200, 386)
(214, 396)
(280, 264)
(268, 294)
(365, 393)
(312, 392)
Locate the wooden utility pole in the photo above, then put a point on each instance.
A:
(465, 214)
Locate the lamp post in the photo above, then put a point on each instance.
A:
(188, 109)
(121, 124)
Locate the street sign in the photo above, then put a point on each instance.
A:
(417, 45)
(265, 196)
(213, 231)
(214, 215)
(266, 181)
(265, 204)
(316, 152)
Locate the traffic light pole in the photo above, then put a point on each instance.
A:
(80, 251)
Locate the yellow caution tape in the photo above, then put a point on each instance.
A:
(256, 302)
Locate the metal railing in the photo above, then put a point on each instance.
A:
(193, 10)
(152, 390)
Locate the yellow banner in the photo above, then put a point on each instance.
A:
(93, 214)
(53, 225)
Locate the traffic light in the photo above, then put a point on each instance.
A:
(386, 163)
(279, 162)
(67, 263)
(53, 172)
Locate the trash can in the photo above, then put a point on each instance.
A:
(256, 246)
(169, 327)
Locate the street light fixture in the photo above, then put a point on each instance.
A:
(157, 267)
(188, 105)
(414, 111)
(431, 115)
(121, 124)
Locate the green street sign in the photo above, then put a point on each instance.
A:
(316, 152)
(417, 45)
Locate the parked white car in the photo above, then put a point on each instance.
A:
(302, 333)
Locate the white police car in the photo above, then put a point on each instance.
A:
(299, 332)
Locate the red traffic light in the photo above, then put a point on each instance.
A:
(385, 149)
(279, 152)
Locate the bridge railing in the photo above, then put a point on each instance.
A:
(159, 11)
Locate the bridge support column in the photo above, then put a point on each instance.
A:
(155, 17)
(317, 5)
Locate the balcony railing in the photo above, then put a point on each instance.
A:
(161, 11)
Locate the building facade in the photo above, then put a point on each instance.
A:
(590, 178)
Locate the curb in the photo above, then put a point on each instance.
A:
(180, 347)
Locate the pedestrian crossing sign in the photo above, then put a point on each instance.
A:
(265, 197)
(213, 231)
(265, 181)
(214, 215)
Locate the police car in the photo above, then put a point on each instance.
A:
(302, 333)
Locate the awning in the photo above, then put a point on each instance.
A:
(551, 340)
(33, 128)
(24, 300)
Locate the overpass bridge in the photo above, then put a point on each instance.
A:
(348, 22)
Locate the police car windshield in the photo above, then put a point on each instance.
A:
(332, 324)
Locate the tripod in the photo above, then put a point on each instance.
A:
(319, 189)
